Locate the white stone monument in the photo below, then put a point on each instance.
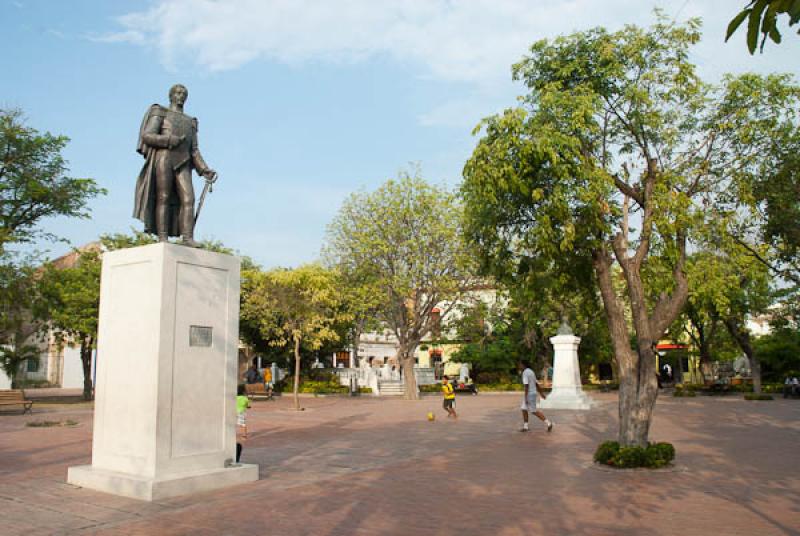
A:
(165, 401)
(567, 392)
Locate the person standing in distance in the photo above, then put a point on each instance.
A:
(449, 401)
(529, 402)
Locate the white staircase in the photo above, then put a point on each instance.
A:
(391, 387)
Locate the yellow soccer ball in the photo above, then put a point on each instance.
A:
(431, 416)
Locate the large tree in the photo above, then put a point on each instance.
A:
(294, 308)
(33, 181)
(403, 242)
(613, 157)
(33, 186)
(728, 288)
(73, 296)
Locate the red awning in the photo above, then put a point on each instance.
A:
(671, 347)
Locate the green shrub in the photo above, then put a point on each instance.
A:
(322, 388)
(602, 386)
(751, 396)
(488, 377)
(320, 375)
(653, 456)
(658, 454)
(606, 452)
(432, 388)
(684, 390)
(502, 386)
(365, 390)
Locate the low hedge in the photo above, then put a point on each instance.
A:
(752, 396)
(501, 386)
(684, 390)
(653, 456)
(322, 388)
(603, 386)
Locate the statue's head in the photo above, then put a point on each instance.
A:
(178, 94)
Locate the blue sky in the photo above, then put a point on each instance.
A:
(300, 102)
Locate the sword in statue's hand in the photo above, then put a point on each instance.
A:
(211, 178)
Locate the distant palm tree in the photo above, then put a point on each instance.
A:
(13, 358)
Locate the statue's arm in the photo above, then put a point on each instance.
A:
(152, 133)
(197, 159)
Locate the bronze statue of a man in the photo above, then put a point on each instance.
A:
(164, 192)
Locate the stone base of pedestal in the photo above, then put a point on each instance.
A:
(567, 398)
(150, 489)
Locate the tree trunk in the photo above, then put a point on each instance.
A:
(406, 359)
(87, 342)
(742, 337)
(296, 388)
(638, 385)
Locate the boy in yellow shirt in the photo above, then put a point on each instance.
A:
(449, 397)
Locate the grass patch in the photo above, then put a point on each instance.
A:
(50, 424)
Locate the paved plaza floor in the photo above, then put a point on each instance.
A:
(376, 466)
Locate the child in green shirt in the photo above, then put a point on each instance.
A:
(242, 403)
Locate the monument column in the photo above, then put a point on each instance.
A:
(567, 392)
(165, 402)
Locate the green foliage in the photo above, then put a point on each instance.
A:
(401, 249)
(323, 387)
(779, 352)
(291, 305)
(762, 19)
(33, 181)
(20, 299)
(685, 390)
(619, 157)
(757, 396)
(12, 359)
(606, 452)
(297, 308)
(502, 386)
(653, 456)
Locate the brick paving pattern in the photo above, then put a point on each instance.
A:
(376, 466)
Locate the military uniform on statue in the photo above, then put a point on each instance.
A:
(164, 191)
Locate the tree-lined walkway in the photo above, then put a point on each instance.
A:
(367, 466)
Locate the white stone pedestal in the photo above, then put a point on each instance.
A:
(567, 392)
(165, 400)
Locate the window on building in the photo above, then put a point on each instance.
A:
(33, 366)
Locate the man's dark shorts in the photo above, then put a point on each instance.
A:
(448, 403)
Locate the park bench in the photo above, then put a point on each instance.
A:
(257, 390)
(15, 397)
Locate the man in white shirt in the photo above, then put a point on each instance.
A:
(529, 401)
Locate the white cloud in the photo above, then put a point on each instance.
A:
(471, 40)
(467, 41)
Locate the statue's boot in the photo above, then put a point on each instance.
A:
(190, 242)
(162, 221)
(187, 228)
